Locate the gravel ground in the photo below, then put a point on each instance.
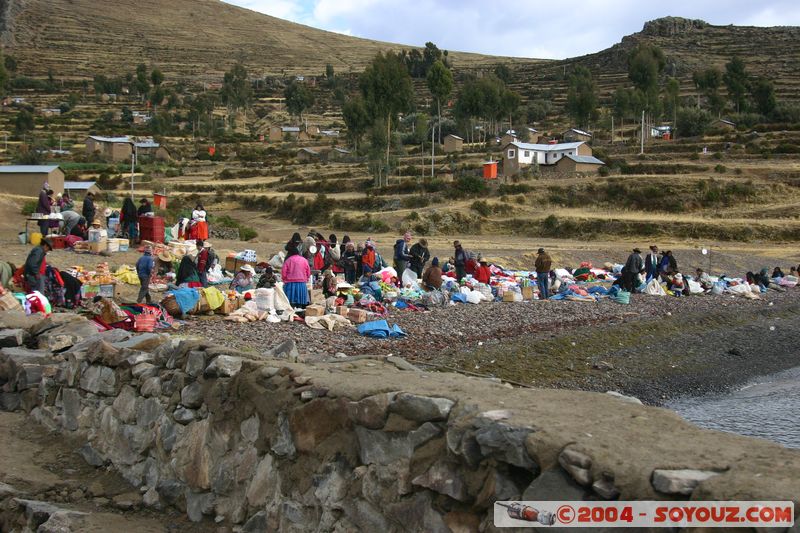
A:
(654, 348)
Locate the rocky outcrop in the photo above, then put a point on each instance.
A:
(236, 438)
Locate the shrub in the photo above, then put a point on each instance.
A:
(692, 121)
(481, 207)
(720, 169)
(29, 207)
(603, 171)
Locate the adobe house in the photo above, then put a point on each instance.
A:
(79, 189)
(306, 155)
(570, 165)
(576, 135)
(110, 148)
(508, 138)
(150, 148)
(453, 143)
(534, 135)
(27, 180)
(722, 124)
(277, 133)
(517, 155)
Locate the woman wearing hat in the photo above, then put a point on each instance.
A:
(165, 260)
(187, 275)
(482, 273)
(244, 279)
(295, 274)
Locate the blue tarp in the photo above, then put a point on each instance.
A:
(187, 298)
(380, 329)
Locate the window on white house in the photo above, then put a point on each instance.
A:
(511, 154)
(527, 153)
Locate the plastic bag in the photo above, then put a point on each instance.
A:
(410, 279)
(654, 288)
(622, 297)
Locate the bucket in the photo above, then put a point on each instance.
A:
(23, 237)
(113, 227)
(160, 200)
(36, 238)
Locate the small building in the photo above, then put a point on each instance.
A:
(508, 138)
(661, 132)
(79, 189)
(306, 155)
(50, 112)
(338, 153)
(329, 133)
(490, 170)
(312, 130)
(517, 155)
(27, 180)
(110, 148)
(279, 133)
(140, 118)
(453, 143)
(576, 135)
(577, 164)
(150, 148)
(722, 124)
(534, 135)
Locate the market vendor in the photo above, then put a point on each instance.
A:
(187, 275)
(199, 226)
(144, 207)
(419, 256)
(243, 281)
(128, 219)
(295, 274)
(44, 207)
(268, 279)
(482, 273)
(35, 267)
(432, 278)
(329, 284)
(460, 258)
(349, 262)
(164, 264)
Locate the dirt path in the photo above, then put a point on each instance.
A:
(42, 466)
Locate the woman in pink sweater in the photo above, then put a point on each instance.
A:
(295, 274)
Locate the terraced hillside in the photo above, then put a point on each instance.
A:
(196, 39)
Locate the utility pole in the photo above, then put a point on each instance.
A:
(642, 149)
(134, 155)
(433, 147)
(612, 129)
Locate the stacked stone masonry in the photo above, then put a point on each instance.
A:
(264, 444)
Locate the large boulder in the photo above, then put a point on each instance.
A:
(64, 336)
(12, 338)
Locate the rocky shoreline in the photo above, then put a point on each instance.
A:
(655, 348)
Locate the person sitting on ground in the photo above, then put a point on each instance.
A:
(164, 265)
(144, 207)
(368, 257)
(81, 229)
(329, 284)
(432, 278)
(243, 281)
(669, 265)
(35, 267)
(482, 273)
(762, 279)
(419, 256)
(268, 280)
(584, 272)
(793, 271)
(777, 273)
(676, 283)
(704, 280)
(187, 275)
(295, 274)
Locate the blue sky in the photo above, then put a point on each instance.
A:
(527, 29)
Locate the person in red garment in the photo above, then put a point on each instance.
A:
(482, 273)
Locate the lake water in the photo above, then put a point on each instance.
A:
(766, 407)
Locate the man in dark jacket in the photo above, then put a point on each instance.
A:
(44, 207)
(401, 254)
(460, 258)
(144, 207)
(633, 267)
(543, 265)
(35, 265)
(144, 269)
(419, 256)
(89, 210)
(202, 262)
(651, 263)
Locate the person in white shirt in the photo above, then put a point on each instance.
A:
(199, 228)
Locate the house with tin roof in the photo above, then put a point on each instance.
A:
(28, 180)
(518, 155)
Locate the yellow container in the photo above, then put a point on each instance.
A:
(36, 238)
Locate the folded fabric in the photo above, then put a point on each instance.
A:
(459, 297)
(214, 297)
(187, 299)
(328, 322)
(127, 275)
(380, 329)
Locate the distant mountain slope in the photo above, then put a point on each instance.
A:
(185, 38)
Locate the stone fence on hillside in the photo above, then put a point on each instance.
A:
(268, 444)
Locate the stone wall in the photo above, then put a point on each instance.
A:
(356, 444)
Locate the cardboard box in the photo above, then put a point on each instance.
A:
(342, 310)
(315, 310)
(96, 247)
(108, 290)
(508, 296)
(233, 265)
(8, 302)
(527, 293)
(97, 235)
(359, 316)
